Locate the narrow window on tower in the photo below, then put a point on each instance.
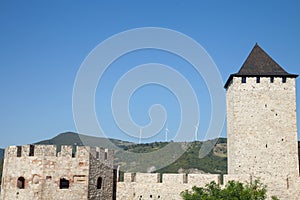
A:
(105, 154)
(257, 79)
(283, 79)
(271, 79)
(21, 183)
(19, 151)
(31, 150)
(243, 79)
(99, 183)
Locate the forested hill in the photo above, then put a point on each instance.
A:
(214, 162)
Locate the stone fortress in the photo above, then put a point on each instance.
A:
(45, 172)
(261, 143)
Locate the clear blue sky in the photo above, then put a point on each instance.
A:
(43, 43)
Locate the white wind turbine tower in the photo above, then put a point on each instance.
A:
(167, 131)
(196, 132)
(140, 138)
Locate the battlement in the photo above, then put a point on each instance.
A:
(66, 151)
(160, 186)
(150, 178)
(248, 80)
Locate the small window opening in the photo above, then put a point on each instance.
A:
(133, 177)
(48, 177)
(105, 155)
(97, 155)
(283, 79)
(19, 151)
(158, 196)
(31, 150)
(150, 195)
(74, 149)
(64, 183)
(160, 178)
(244, 79)
(266, 146)
(21, 183)
(271, 79)
(185, 178)
(99, 183)
(257, 79)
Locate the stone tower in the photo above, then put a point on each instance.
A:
(44, 172)
(261, 120)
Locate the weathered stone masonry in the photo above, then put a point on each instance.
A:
(40, 172)
(146, 186)
(262, 127)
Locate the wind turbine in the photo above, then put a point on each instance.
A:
(140, 139)
(196, 132)
(167, 131)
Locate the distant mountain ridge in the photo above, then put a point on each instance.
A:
(71, 138)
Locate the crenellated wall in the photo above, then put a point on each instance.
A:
(43, 167)
(145, 186)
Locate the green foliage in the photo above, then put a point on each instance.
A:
(190, 160)
(146, 148)
(232, 191)
(274, 198)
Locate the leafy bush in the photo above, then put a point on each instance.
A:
(233, 191)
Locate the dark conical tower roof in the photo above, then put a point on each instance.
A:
(260, 64)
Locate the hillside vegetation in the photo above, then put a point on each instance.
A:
(190, 162)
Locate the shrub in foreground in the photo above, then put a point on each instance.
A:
(233, 190)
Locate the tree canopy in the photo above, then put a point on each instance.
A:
(233, 190)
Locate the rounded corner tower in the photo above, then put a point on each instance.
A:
(261, 119)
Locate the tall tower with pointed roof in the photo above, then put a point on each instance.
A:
(261, 119)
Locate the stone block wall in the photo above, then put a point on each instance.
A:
(262, 133)
(101, 175)
(43, 169)
(147, 186)
(262, 125)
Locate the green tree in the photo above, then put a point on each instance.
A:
(233, 191)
